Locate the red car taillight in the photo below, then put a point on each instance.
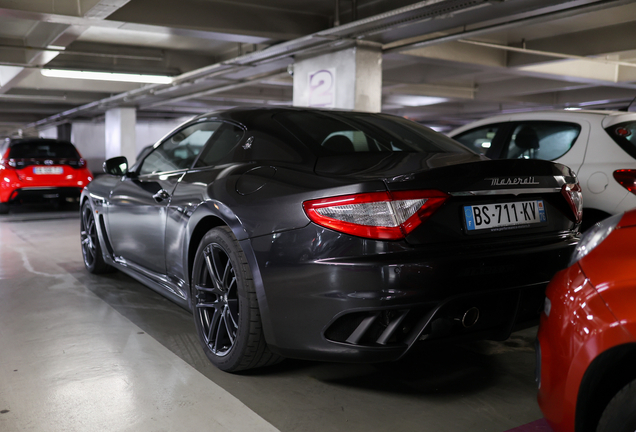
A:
(574, 197)
(377, 215)
(627, 179)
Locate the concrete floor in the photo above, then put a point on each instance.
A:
(80, 352)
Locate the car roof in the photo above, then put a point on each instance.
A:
(13, 141)
(607, 118)
(245, 115)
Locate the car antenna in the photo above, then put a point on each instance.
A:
(631, 105)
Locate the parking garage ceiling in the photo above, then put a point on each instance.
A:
(446, 62)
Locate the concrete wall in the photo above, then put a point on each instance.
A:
(90, 141)
(49, 133)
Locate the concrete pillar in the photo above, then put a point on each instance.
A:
(64, 131)
(120, 133)
(349, 79)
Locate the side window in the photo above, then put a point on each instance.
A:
(624, 134)
(480, 139)
(219, 148)
(181, 149)
(541, 140)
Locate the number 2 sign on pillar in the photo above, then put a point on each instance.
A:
(322, 88)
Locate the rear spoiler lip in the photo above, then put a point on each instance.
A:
(505, 192)
(560, 182)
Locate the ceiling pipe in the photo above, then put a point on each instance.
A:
(220, 89)
(33, 97)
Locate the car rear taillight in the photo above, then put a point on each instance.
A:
(377, 215)
(574, 197)
(81, 163)
(627, 179)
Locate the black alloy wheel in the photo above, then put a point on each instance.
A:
(91, 250)
(226, 313)
(218, 302)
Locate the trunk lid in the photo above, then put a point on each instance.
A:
(523, 196)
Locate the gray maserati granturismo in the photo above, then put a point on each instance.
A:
(334, 236)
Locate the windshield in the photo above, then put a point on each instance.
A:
(43, 149)
(328, 134)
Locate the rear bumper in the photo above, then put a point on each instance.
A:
(373, 301)
(37, 194)
(24, 185)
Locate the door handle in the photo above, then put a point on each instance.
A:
(161, 195)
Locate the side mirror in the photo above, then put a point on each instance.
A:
(117, 166)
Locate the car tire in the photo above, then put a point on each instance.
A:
(620, 413)
(225, 308)
(91, 249)
(4, 208)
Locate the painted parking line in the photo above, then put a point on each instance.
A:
(535, 426)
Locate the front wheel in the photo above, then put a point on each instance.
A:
(226, 314)
(91, 250)
(620, 413)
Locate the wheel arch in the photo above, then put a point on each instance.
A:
(200, 229)
(605, 376)
(209, 216)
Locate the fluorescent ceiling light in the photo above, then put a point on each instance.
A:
(598, 102)
(415, 101)
(106, 76)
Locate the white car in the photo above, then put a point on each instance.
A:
(600, 146)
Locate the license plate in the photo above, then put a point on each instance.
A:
(503, 216)
(48, 170)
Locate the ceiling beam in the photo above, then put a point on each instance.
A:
(224, 17)
(596, 42)
(80, 21)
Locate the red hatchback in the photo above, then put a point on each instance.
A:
(587, 337)
(36, 169)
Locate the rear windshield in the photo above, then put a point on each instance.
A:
(43, 150)
(328, 134)
(625, 136)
